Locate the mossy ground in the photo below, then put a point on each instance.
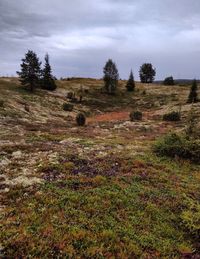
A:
(96, 191)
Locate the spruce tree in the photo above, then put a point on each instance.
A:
(48, 81)
(130, 86)
(193, 98)
(147, 73)
(30, 70)
(111, 77)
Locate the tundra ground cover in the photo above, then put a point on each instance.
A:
(96, 191)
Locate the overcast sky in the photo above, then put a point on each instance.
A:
(80, 35)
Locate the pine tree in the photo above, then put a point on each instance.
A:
(130, 86)
(111, 76)
(193, 98)
(30, 70)
(48, 81)
(147, 73)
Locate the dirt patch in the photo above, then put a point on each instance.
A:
(110, 116)
(121, 116)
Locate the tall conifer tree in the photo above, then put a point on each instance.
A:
(130, 86)
(48, 81)
(30, 70)
(111, 76)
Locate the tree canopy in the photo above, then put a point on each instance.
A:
(147, 73)
(30, 70)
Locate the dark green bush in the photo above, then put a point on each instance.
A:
(135, 115)
(172, 116)
(169, 81)
(68, 107)
(80, 119)
(174, 145)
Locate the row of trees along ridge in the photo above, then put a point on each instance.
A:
(32, 76)
(111, 76)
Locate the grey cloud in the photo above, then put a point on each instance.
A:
(81, 35)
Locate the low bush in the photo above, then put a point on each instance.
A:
(172, 116)
(1, 103)
(174, 145)
(192, 129)
(135, 115)
(68, 107)
(169, 81)
(70, 95)
(190, 216)
(80, 119)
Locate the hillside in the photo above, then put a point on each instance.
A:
(97, 191)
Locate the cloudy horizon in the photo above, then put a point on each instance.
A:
(80, 36)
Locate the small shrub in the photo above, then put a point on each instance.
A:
(80, 119)
(193, 95)
(27, 107)
(191, 129)
(1, 103)
(174, 145)
(68, 166)
(172, 116)
(68, 107)
(74, 100)
(80, 98)
(70, 95)
(135, 115)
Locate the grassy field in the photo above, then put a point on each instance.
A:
(97, 191)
